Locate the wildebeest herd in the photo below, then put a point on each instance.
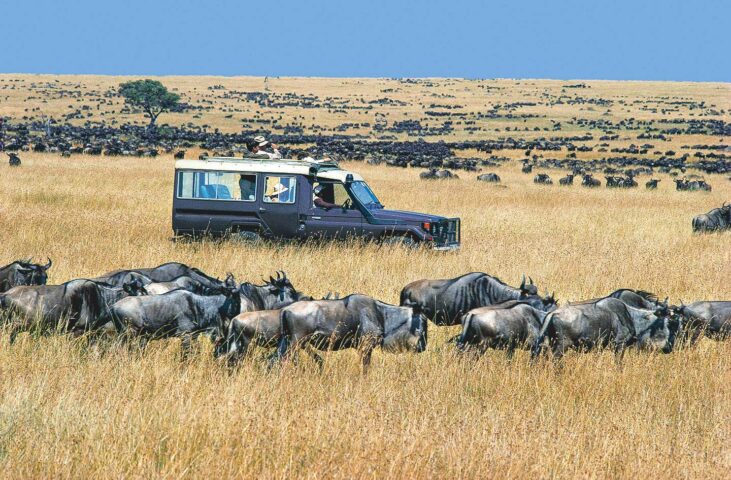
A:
(175, 300)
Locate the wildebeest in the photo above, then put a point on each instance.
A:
(435, 174)
(274, 294)
(508, 325)
(178, 313)
(716, 219)
(76, 306)
(621, 182)
(589, 181)
(489, 177)
(567, 180)
(527, 167)
(164, 273)
(607, 322)
(684, 184)
(23, 272)
(711, 317)
(445, 301)
(356, 321)
(183, 282)
(652, 184)
(14, 160)
(543, 179)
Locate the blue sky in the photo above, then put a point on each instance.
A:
(638, 40)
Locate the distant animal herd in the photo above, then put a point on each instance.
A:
(175, 300)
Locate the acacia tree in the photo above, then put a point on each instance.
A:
(149, 95)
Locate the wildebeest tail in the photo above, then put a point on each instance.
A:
(546, 329)
(697, 224)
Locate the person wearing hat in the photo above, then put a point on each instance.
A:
(320, 202)
(276, 195)
(253, 151)
(264, 146)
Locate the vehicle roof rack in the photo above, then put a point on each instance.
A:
(324, 164)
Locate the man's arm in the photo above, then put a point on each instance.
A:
(319, 202)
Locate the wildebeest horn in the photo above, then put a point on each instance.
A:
(271, 279)
(48, 265)
(531, 280)
(522, 283)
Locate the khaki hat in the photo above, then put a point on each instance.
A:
(261, 141)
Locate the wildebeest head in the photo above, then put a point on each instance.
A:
(134, 287)
(662, 331)
(282, 289)
(528, 289)
(28, 273)
(549, 302)
(230, 281)
(405, 329)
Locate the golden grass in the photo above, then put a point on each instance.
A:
(66, 411)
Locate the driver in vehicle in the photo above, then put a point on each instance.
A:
(318, 199)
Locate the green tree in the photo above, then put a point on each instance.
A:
(149, 95)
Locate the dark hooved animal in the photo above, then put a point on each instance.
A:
(178, 313)
(435, 174)
(633, 298)
(589, 181)
(274, 294)
(183, 282)
(543, 179)
(685, 184)
(23, 272)
(166, 272)
(527, 167)
(76, 306)
(445, 301)
(356, 321)
(567, 180)
(715, 220)
(489, 177)
(14, 160)
(608, 322)
(652, 184)
(507, 326)
(710, 317)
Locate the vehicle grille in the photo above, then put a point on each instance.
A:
(446, 232)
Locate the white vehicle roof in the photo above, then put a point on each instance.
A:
(326, 169)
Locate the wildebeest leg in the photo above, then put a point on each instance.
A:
(510, 350)
(13, 333)
(619, 349)
(185, 346)
(316, 357)
(367, 359)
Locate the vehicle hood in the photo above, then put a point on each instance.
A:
(405, 217)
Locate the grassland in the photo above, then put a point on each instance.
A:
(67, 411)
(70, 411)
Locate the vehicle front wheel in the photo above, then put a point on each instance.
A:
(403, 240)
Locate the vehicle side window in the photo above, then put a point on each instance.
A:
(332, 192)
(280, 189)
(217, 186)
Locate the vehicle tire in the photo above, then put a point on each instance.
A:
(247, 236)
(403, 240)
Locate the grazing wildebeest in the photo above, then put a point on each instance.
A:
(684, 184)
(356, 321)
(274, 294)
(527, 167)
(489, 177)
(14, 160)
(435, 174)
(76, 306)
(589, 181)
(164, 273)
(183, 282)
(567, 180)
(710, 317)
(543, 179)
(178, 313)
(607, 322)
(716, 219)
(23, 272)
(652, 184)
(508, 325)
(445, 301)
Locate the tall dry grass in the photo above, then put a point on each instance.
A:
(68, 411)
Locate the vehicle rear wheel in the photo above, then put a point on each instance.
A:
(403, 240)
(246, 236)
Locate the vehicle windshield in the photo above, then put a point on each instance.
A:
(365, 195)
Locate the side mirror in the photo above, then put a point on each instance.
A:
(349, 178)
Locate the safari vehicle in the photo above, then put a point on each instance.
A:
(252, 199)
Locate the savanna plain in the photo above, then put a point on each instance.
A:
(70, 410)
